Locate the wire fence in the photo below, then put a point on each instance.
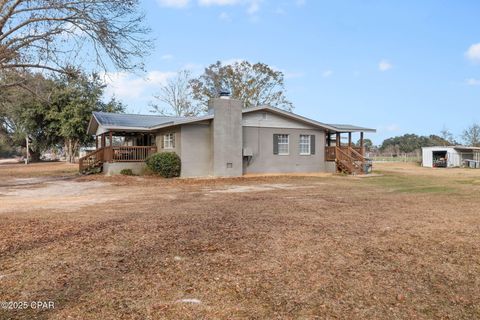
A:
(399, 158)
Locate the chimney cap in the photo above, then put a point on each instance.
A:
(224, 94)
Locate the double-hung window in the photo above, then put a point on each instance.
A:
(169, 141)
(305, 144)
(283, 141)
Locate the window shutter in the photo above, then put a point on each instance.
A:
(312, 144)
(173, 140)
(275, 144)
(163, 141)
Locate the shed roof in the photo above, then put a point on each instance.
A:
(458, 148)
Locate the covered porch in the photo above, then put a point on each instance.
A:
(119, 146)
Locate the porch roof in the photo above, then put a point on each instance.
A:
(134, 122)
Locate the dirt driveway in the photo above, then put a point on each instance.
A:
(400, 245)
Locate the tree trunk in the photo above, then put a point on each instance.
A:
(34, 156)
(71, 149)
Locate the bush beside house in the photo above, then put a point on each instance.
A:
(126, 172)
(165, 164)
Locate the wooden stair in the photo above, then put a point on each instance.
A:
(349, 161)
(92, 162)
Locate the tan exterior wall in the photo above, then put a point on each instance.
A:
(178, 140)
(196, 150)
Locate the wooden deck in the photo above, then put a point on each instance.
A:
(115, 154)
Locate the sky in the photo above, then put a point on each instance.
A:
(397, 66)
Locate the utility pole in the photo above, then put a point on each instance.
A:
(28, 152)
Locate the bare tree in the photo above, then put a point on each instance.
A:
(471, 135)
(59, 35)
(176, 97)
(447, 136)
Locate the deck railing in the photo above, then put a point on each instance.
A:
(91, 159)
(115, 154)
(330, 152)
(130, 153)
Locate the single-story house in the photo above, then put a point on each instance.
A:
(449, 156)
(228, 141)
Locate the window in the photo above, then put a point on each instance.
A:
(282, 144)
(305, 144)
(169, 141)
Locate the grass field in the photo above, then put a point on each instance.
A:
(403, 243)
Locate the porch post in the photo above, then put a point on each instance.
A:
(111, 138)
(349, 139)
(338, 137)
(96, 142)
(361, 144)
(103, 140)
(329, 141)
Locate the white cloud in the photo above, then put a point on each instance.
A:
(253, 6)
(194, 68)
(167, 56)
(293, 75)
(473, 53)
(392, 127)
(327, 73)
(300, 3)
(217, 2)
(125, 85)
(472, 82)
(174, 3)
(384, 65)
(224, 17)
(232, 61)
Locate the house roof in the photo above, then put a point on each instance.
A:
(137, 122)
(331, 127)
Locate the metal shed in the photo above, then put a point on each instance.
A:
(448, 157)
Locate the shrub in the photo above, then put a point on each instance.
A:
(126, 172)
(166, 164)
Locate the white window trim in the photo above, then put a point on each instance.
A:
(168, 139)
(282, 143)
(309, 153)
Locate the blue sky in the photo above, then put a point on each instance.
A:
(397, 66)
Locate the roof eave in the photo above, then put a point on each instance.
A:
(176, 123)
(306, 120)
(90, 124)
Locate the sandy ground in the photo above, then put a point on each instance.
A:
(403, 244)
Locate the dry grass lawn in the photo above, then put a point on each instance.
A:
(404, 244)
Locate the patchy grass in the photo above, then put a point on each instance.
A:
(280, 247)
(38, 169)
(412, 184)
